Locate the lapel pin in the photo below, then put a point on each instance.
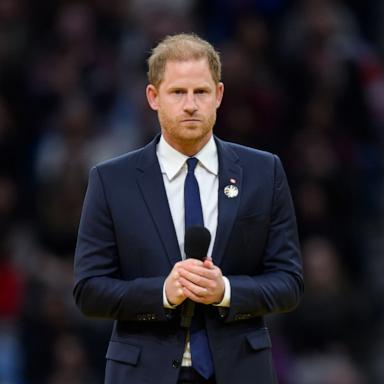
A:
(233, 181)
(231, 191)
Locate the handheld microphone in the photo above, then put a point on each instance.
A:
(196, 244)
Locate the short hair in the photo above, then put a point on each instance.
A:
(182, 47)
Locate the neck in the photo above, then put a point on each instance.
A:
(188, 148)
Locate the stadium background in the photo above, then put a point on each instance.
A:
(304, 79)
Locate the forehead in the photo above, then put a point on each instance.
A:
(187, 70)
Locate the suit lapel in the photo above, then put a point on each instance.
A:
(150, 181)
(229, 171)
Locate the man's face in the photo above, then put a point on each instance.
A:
(186, 102)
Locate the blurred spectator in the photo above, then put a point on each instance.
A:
(70, 363)
(334, 309)
(252, 106)
(333, 368)
(61, 175)
(11, 155)
(53, 339)
(11, 304)
(13, 38)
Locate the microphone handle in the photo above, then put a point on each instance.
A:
(196, 244)
(187, 311)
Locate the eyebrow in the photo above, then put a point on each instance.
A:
(199, 87)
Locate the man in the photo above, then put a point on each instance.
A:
(130, 263)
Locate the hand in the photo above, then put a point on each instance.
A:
(201, 281)
(173, 288)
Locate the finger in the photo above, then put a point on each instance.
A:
(189, 263)
(201, 270)
(195, 289)
(179, 293)
(174, 292)
(204, 272)
(198, 299)
(208, 263)
(195, 278)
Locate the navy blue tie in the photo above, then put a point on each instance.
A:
(200, 352)
(192, 203)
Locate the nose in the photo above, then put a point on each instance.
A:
(190, 105)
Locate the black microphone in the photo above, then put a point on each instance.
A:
(196, 244)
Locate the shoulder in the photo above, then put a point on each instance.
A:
(245, 154)
(128, 162)
(128, 159)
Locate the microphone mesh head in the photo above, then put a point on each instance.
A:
(196, 242)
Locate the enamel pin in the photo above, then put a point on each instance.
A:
(231, 191)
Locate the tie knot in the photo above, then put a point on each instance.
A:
(191, 163)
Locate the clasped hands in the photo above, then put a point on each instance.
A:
(200, 281)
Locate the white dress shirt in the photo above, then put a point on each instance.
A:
(174, 170)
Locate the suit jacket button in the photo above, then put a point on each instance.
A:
(168, 315)
(176, 363)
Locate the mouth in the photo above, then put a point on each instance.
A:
(190, 120)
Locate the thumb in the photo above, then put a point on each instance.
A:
(208, 263)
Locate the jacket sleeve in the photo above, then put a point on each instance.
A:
(99, 290)
(279, 286)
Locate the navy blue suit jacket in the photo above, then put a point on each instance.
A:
(127, 246)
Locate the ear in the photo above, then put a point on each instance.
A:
(219, 93)
(152, 97)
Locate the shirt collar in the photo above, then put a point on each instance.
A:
(172, 161)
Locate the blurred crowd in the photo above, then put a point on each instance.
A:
(303, 79)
